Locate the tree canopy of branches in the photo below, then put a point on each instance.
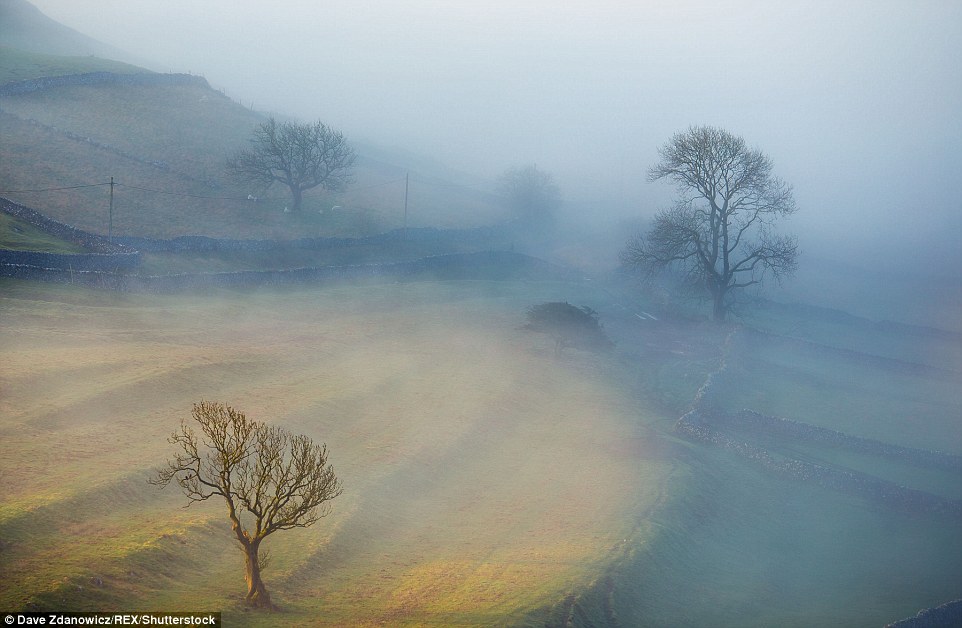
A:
(299, 156)
(270, 479)
(568, 326)
(719, 233)
(532, 194)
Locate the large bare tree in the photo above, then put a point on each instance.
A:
(299, 156)
(720, 232)
(270, 479)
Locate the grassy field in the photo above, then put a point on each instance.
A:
(17, 235)
(485, 479)
(856, 393)
(488, 482)
(19, 65)
(737, 547)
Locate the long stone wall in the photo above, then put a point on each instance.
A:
(944, 616)
(102, 255)
(740, 434)
(123, 254)
(99, 78)
(208, 245)
(486, 265)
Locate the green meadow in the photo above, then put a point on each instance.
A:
(487, 480)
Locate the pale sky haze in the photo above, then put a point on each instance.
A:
(856, 101)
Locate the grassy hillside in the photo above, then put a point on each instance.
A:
(19, 65)
(736, 545)
(476, 491)
(513, 486)
(166, 146)
(19, 236)
(25, 27)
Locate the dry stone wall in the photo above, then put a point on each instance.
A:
(102, 255)
(743, 433)
(99, 78)
(487, 265)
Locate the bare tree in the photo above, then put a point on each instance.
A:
(720, 231)
(270, 479)
(531, 193)
(300, 156)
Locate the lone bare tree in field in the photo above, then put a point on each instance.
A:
(300, 156)
(270, 479)
(720, 231)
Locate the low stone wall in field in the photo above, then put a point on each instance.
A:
(709, 429)
(208, 245)
(487, 265)
(743, 432)
(123, 254)
(102, 256)
(99, 78)
(943, 616)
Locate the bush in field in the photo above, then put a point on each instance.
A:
(269, 478)
(569, 326)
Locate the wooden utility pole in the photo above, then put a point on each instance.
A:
(406, 177)
(110, 214)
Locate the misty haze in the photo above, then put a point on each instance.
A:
(502, 313)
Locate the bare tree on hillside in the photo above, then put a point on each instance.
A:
(270, 479)
(299, 156)
(532, 194)
(719, 233)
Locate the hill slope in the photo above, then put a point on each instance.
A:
(165, 144)
(24, 26)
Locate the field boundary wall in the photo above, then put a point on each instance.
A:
(204, 244)
(484, 265)
(27, 86)
(103, 255)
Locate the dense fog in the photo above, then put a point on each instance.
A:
(855, 102)
(500, 466)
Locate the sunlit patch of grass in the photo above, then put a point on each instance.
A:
(475, 489)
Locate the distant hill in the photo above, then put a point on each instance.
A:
(165, 143)
(25, 27)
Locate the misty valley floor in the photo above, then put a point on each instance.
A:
(484, 478)
(487, 480)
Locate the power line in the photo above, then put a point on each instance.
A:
(232, 198)
(72, 187)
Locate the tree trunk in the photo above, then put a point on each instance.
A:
(297, 194)
(719, 311)
(257, 595)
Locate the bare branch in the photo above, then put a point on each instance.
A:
(280, 479)
(299, 156)
(720, 229)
